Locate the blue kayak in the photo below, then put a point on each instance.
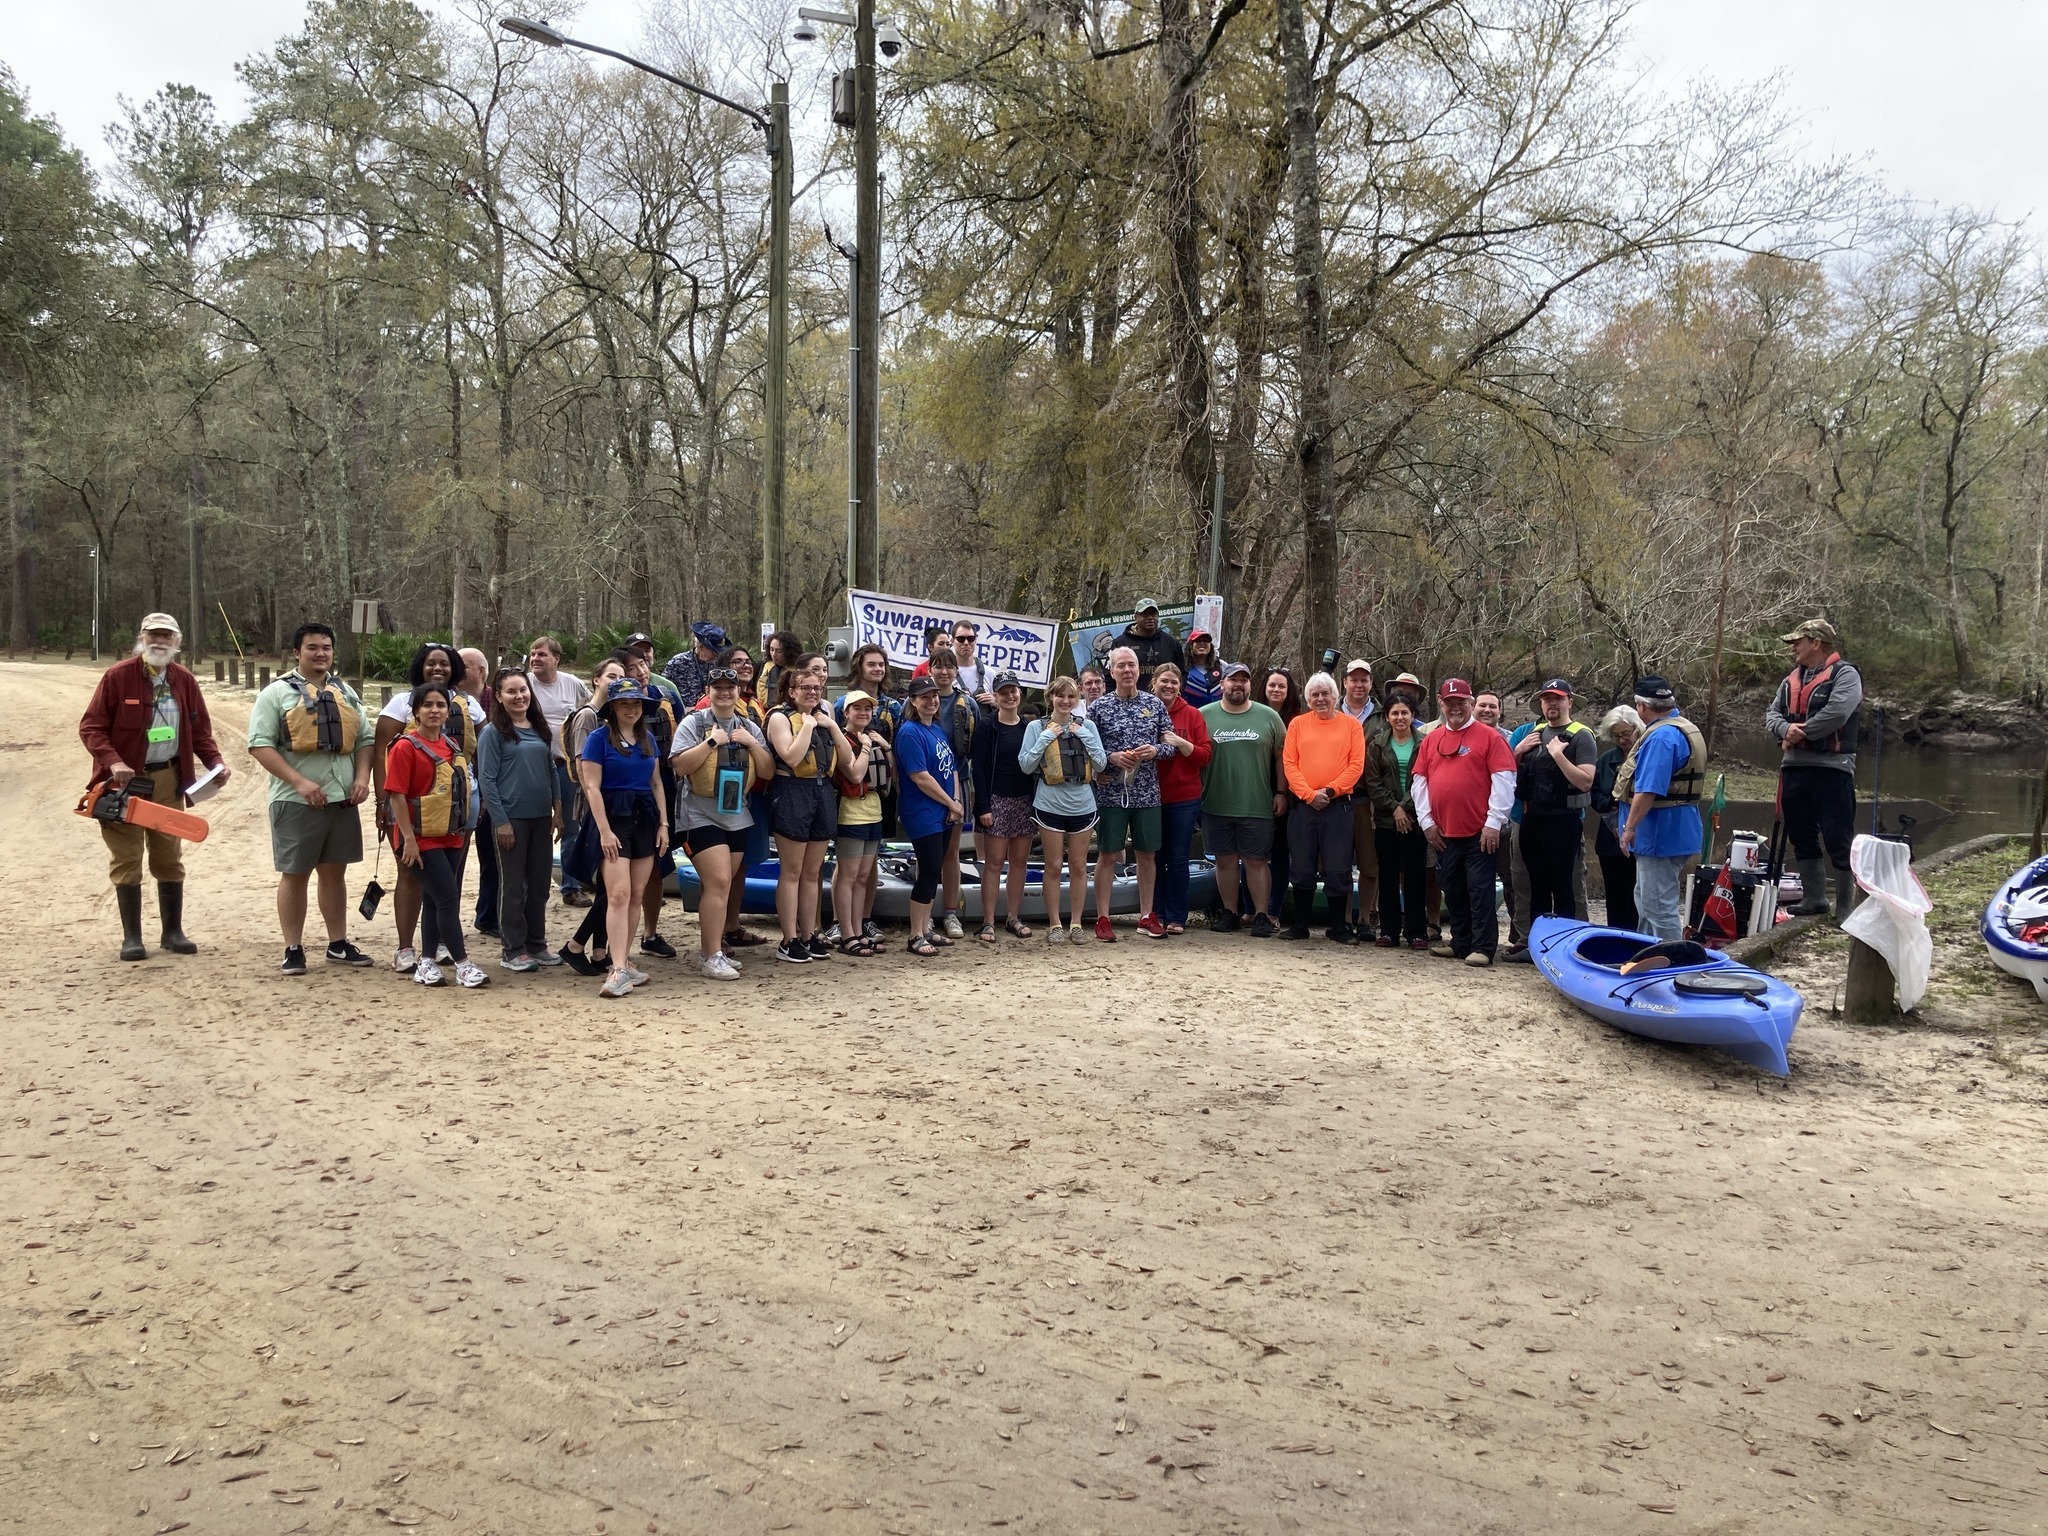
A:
(1716, 1001)
(2015, 926)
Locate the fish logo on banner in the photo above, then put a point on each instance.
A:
(1008, 642)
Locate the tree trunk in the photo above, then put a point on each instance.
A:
(1313, 463)
(1190, 363)
(195, 560)
(21, 525)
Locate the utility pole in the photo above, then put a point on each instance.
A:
(772, 590)
(866, 570)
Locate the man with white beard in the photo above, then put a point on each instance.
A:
(148, 719)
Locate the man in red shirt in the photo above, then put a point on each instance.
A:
(147, 719)
(1464, 786)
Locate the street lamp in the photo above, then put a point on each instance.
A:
(864, 509)
(770, 583)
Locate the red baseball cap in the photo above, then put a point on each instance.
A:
(1454, 688)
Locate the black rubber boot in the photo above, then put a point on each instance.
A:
(1304, 902)
(129, 899)
(170, 907)
(1847, 893)
(1813, 899)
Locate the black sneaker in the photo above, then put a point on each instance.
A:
(1342, 933)
(580, 963)
(655, 944)
(341, 952)
(294, 960)
(795, 951)
(1226, 922)
(578, 898)
(1294, 931)
(820, 950)
(1366, 934)
(1516, 954)
(1262, 926)
(871, 929)
(488, 930)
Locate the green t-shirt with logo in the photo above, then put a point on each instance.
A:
(1243, 768)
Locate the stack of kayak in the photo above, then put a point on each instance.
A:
(1682, 993)
(2016, 926)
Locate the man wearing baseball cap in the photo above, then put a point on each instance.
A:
(1814, 718)
(1660, 783)
(689, 670)
(1464, 788)
(1358, 702)
(1554, 781)
(1153, 643)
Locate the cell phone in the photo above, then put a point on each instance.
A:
(373, 896)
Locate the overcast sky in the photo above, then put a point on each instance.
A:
(1945, 102)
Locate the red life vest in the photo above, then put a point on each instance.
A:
(1803, 698)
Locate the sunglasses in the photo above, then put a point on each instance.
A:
(965, 634)
(719, 675)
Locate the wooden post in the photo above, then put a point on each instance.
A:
(220, 672)
(264, 674)
(1871, 994)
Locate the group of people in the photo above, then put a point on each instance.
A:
(1319, 793)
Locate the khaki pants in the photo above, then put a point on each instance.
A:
(126, 843)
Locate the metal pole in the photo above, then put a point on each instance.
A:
(772, 594)
(854, 503)
(865, 569)
(1216, 543)
(94, 556)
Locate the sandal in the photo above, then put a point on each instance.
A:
(856, 946)
(987, 935)
(938, 937)
(1018, 928)
(922, 946)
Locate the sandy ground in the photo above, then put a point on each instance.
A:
(1212, 1235)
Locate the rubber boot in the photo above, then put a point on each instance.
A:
(1304, 903)
(1847, 894)
(170, 907)
(129, 899)
(1813, 886)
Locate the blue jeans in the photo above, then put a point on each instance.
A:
(1177, 840)
(570, 821)
(1658, 884)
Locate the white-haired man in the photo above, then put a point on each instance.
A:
(148, 719)
(1137, 731)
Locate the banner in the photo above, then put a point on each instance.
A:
(1008, 642)
(1090, 640)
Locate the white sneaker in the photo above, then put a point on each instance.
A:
(406, 961)
(442, 957)
(718, 968)
(634, 978)
(733, 961)
(427, 974)
(953, 928)
(832, 935)
(615, 985)
(1077, 934)
(1055, 934)
(469, 974)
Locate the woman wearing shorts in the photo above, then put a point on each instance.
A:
(720, 754)
(1002, 796)
(808, 745)
(1180, 796)
(859, 838)
(618, 767)
(581, 724)
(928, 806)
(1063, 754)
(414, 778)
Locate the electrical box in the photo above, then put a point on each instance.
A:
(845, 102)
(838, 652)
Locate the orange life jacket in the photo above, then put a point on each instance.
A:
(1804, 698)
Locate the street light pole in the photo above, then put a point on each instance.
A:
(771, 581)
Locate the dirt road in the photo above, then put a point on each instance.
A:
(1210, 1235)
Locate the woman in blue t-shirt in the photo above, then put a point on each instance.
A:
(618, 784)
(928, 805)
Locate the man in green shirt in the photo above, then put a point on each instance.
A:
(1241, 794)
(308, 731)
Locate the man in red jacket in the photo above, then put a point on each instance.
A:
(148, 719)
(1464, 788)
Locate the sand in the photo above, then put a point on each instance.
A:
(1208, 1235)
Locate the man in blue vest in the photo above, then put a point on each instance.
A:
(1814, 718)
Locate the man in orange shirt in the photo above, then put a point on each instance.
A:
(1464, 790)
(1323, 759)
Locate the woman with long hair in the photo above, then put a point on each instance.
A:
(1002, 794)
(760, 844)
(619, 781)
(516, 771)
(1616, 734)
(435, 661)
(588, 941)
(659, 717)
(1202, 683)
(1180, 794)
(929, 806)
(808, 745)
(1403, 850)
(783, 650)
(858, 841)
(721, 754)
(1282, 694)
(1063, 754)
(868, 669)
(428, 779)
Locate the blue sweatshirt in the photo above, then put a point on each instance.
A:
(517, 778)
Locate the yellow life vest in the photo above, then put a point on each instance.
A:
(443, 810)
(1686, 782)
(816, 763)
(323, 719)
(1066, 759)
(704, 778)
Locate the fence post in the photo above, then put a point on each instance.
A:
(263, 674)
(220, 673)
(1871, 993)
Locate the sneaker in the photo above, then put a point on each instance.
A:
(294, 960)
(1445, 952)
(1366, 934)
(615, 985)
(952, 926)
(577, 898)
(1294, 931)
(1479, 959)
(488, 930)
(342, 952)
(1077, 934)
(1342, 933)
(545, 957)
(1150, 926)
(516, 963)
(1263, 927)
(1418, 944)
(718, 968)
(1517, 954)
(831, 936)
(404, 961)
(1226, 922)
(795, 951)
(1055, 934)
(871, 929)
(1387, 941)
(578, 961)
(635, 976)
(743, 938)
(441, 955)
(732, 960)
(819, 949)
(1103, 931)
(469, 974)
(427, 974)
(655, 944)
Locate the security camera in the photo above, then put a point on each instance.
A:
(806, 31)
(889, 42)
